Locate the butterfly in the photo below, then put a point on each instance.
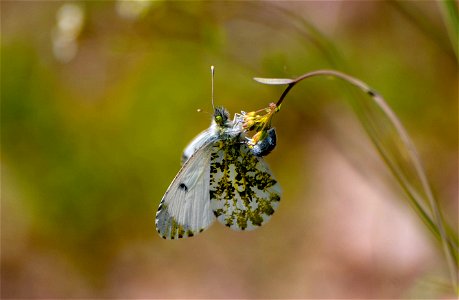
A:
(223, 177)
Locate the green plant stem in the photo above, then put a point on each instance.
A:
(418, 19)
(426, 206)
(438, 220)
(451, 19)
(433, 220)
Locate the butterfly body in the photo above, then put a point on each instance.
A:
(221, 178)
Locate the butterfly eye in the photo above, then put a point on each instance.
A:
(219, 119)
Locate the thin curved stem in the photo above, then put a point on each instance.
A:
(434, 220)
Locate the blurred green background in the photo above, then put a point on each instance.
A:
(99, 98)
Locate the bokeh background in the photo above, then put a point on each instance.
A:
(99, 98)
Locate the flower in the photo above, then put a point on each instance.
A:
(252, 121)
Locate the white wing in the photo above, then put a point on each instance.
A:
(185, 208)
(196, 143)
(244, 194)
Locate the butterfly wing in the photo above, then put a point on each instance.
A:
(184, 210)
(196, 143)
(243, 192)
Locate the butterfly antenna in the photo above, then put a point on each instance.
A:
(212, 71)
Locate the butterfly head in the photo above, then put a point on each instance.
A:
(221, 116)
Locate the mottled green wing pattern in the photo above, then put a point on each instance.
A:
(243, 192)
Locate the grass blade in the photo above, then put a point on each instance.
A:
(398, 151)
